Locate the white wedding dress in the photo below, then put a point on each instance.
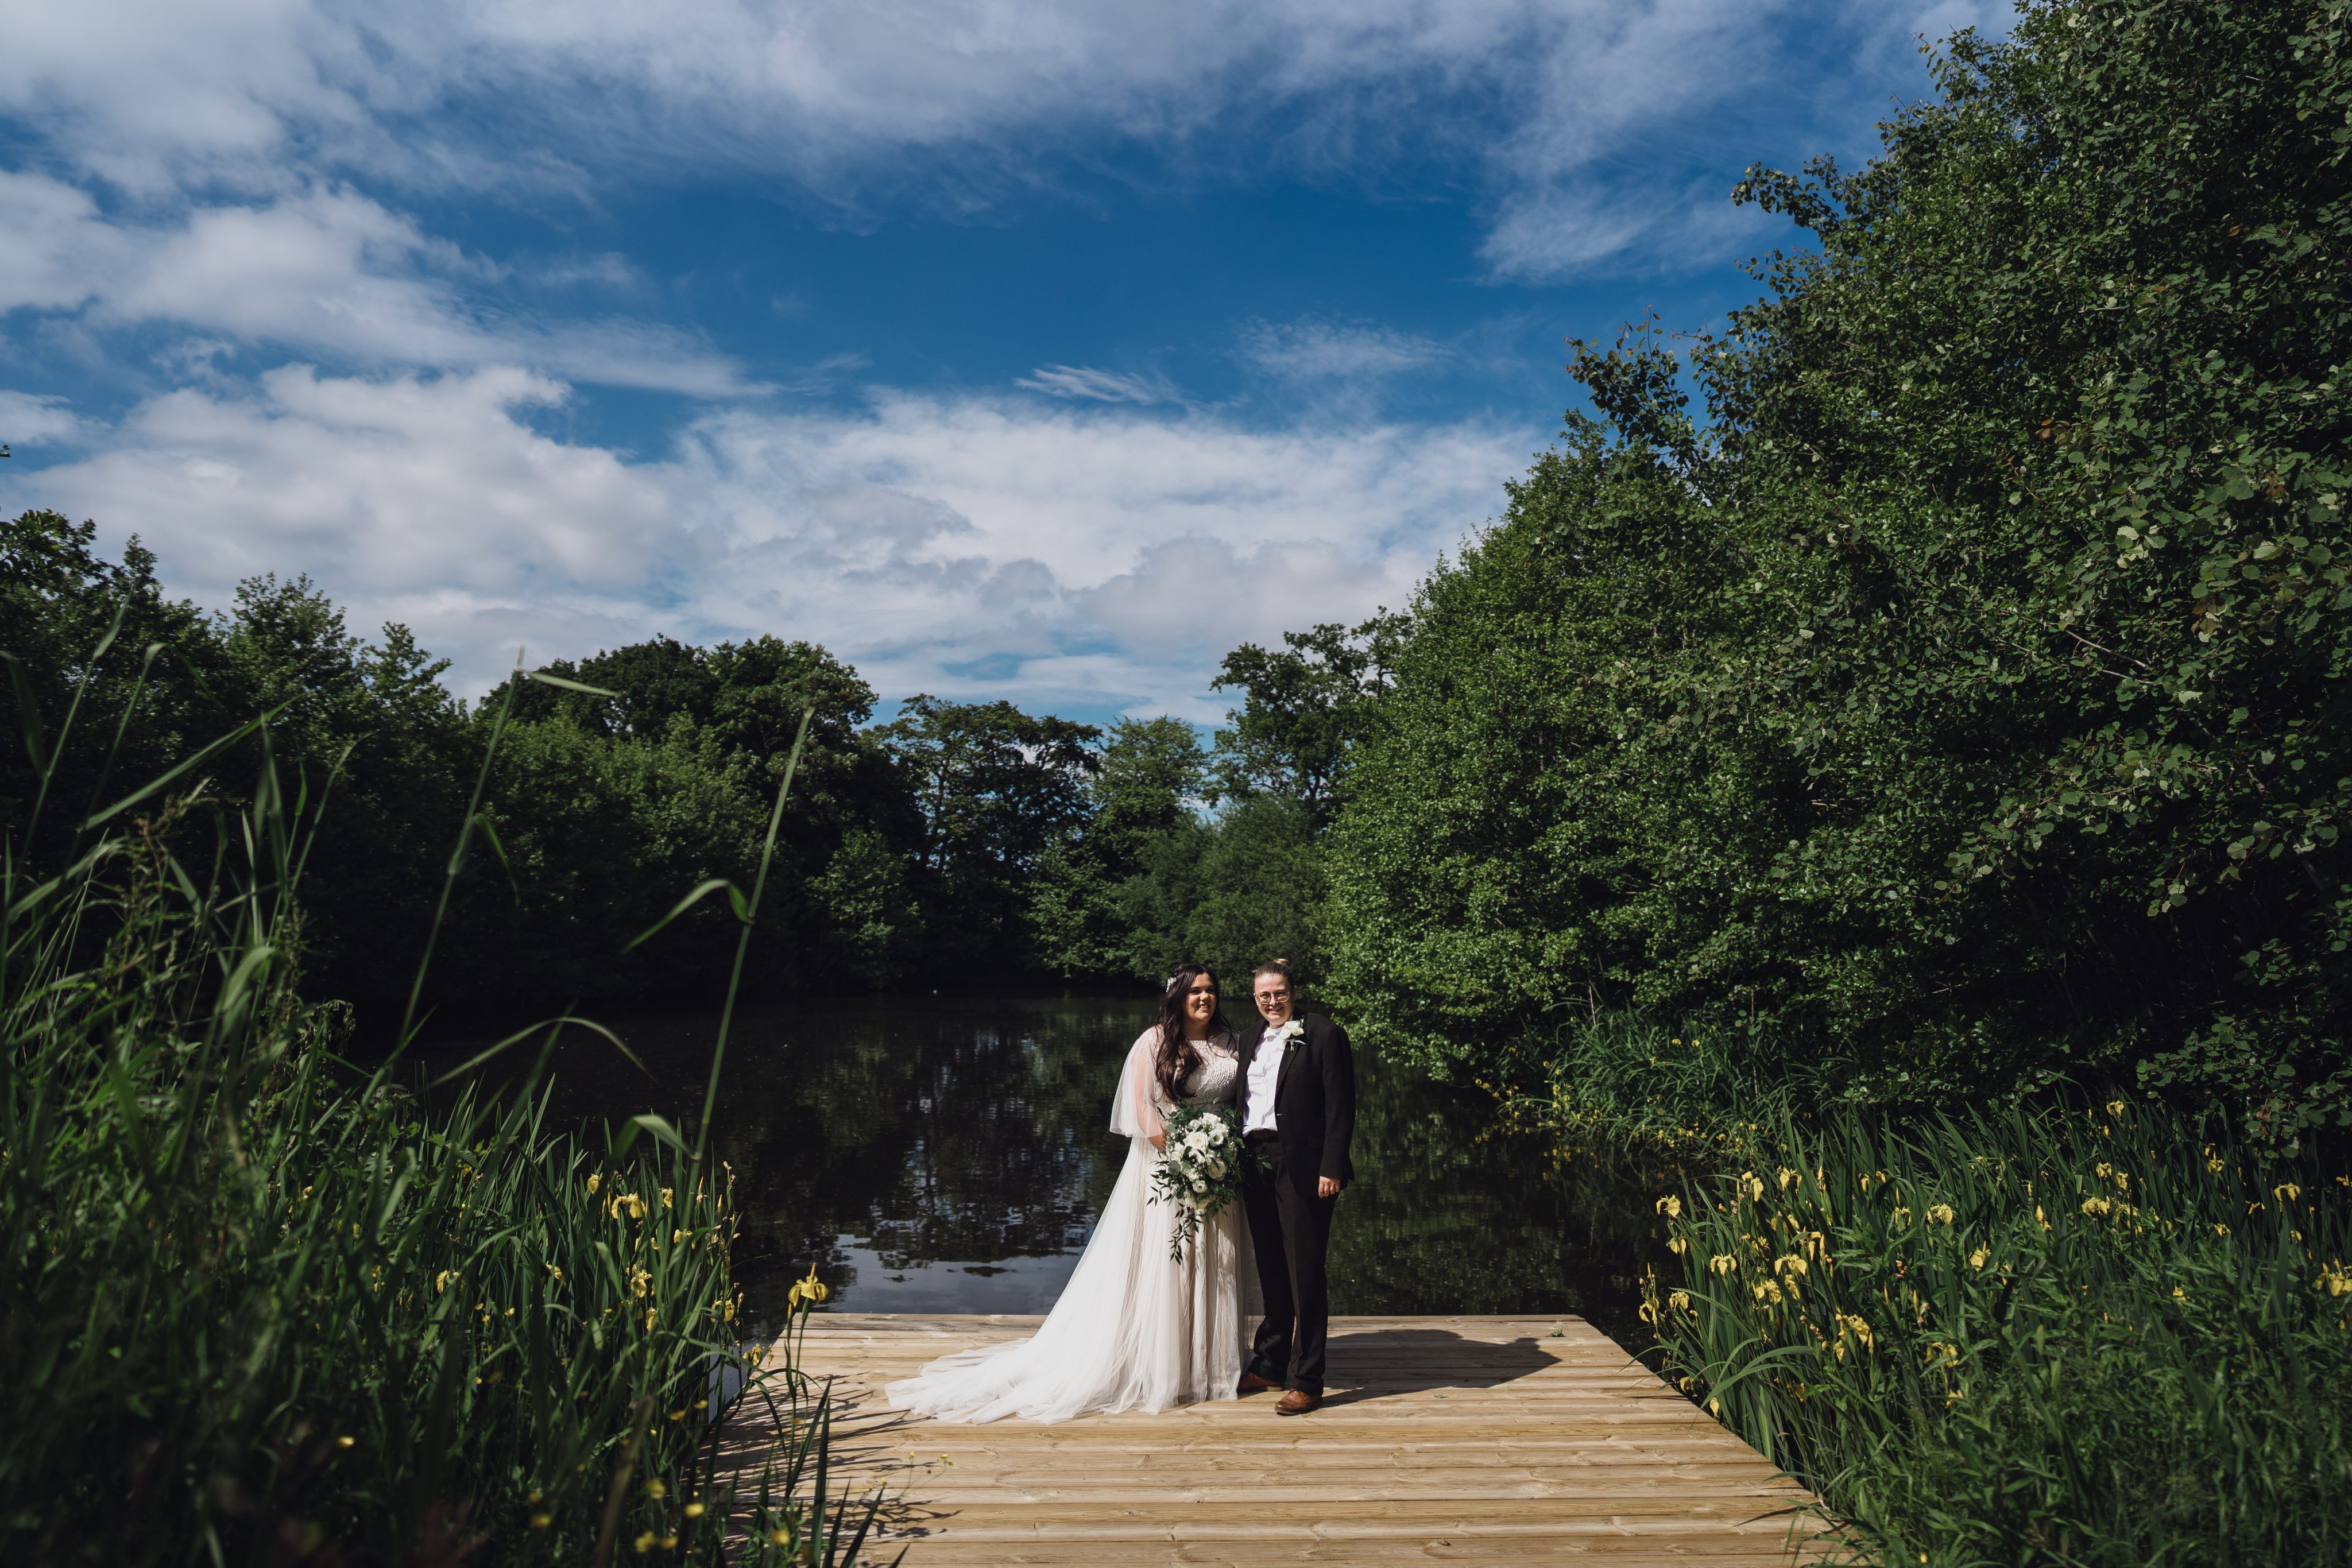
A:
(1134, 1328)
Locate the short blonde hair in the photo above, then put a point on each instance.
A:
(1276, 966)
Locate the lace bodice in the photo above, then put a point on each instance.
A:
(1211, 1083)
(1138, 1108)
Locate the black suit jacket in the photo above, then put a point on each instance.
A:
(1314, 1098)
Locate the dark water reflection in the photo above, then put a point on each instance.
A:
(949, 1154)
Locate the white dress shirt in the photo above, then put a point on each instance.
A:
(1265, 1072)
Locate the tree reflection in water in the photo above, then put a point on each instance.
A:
(949, 1154)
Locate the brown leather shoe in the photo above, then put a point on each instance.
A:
(1253, 1383)
(1297, 1402)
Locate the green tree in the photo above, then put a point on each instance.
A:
(59, 598)
(651, 682)
(661, 778)
(601, 834)
(994, 789)
(1152, 773)
(377, 715)
(1150, 776)
(1232, 892)
(1303, 708)
(1967, 695)
(371, 715)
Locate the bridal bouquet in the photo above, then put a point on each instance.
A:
(1199, 1171)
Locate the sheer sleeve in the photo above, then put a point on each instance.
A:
(1136, 1110)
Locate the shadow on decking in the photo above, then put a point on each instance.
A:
(1383, 1362)
(864, 1457)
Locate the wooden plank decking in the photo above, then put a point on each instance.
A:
(1469, 1440)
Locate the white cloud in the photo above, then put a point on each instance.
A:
(426, 500)
(1313, 349)
(330, 271)
(1101, 386)
(55, 250)
(1054, 554)
(29, 421)
(148, 93)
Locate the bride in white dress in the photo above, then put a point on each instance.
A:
(1135, 1329)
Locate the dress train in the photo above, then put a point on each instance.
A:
(1134, 1328)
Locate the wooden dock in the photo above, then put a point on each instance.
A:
(1442, 1439)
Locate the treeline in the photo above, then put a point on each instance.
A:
(1959, 701)
(959, 843)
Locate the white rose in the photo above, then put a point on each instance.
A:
(1199, 1186)
(1217, 1169)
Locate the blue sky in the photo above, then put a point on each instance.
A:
(1042, 352)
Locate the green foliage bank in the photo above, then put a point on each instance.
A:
(1962, 699)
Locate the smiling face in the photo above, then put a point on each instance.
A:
(1200, 1002)
(1273, 1000)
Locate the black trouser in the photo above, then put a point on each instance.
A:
(1290, 1231)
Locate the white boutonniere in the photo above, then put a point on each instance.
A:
(1288, 1032)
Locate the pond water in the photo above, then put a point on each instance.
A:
(947, 1155)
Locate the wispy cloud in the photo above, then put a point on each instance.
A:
(1313, 349)
(1099, 386)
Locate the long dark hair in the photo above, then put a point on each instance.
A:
(1175, 1059)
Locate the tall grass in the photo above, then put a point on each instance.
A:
(2096, 1336)
(1623, 1087)
(259, 1307)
